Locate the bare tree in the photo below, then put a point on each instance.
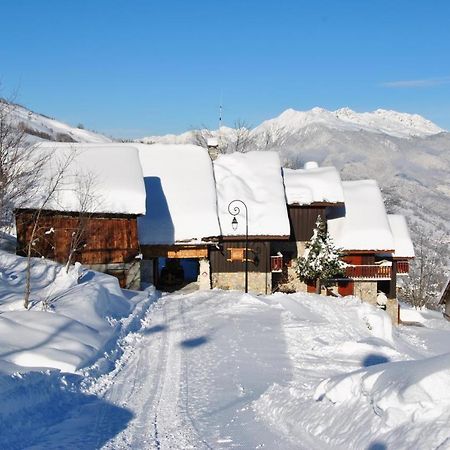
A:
(426, 276)
(20, 163)
(48, 189)
(241, 139)
(88, 203)
(201, 136)
(271, 138)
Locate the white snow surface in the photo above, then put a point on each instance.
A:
(256, 179)
(403, 245)
(213, 369)
(388, 122)
(54, 128)
(306, 186)
(113, 172)
(363, 223)
(181, 195)
(196, 372)
(71, 319)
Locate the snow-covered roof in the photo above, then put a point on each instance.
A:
(363, 223)
(306, 186)
(256, 179)
(109, 175)
(181, 195)
(403, 245)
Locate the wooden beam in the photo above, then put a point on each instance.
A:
(174, 251)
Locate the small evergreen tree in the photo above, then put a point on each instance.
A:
(321, 260)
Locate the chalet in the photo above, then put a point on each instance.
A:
(310, 192)
(92, 216)
(251, 208)
(234, 221)
(181, 219)
(363, 230)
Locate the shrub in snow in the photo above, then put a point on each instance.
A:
(321, 260)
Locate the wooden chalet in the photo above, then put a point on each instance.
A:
(255, 179)
(101, 234)
(310, 192)
(181, 220)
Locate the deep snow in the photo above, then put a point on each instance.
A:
(222, 369)
(254, 178)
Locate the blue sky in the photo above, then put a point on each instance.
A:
(135, 68)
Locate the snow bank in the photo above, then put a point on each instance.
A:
(402, 391)
(108, 176)
(403, 245)
(70, 322)
(181, 196)
(363, 223)
(322, 184)
(256, 179)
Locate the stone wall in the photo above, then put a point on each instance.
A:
(288, 281)
(129, 274)
(258, 282)
(367, 292)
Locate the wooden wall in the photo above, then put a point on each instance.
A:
(259, 251)
(303, 221)
(360, 259)
(108, 239)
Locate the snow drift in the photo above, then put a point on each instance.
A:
(71, 322)
(399, 392)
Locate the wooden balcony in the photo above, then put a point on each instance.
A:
(368, 272)
(402, 267)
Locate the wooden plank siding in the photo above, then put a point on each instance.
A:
(111, 239)
(303, 220)
(360, 259)
(259, 252)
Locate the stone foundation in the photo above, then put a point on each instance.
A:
(258, 282)
(128, 274)
(367, 292)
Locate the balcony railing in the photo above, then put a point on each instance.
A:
(368, 272)
(402, 267)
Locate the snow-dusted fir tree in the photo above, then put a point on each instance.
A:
(321, 260)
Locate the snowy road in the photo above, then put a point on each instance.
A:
(191, 379)
(225, 370)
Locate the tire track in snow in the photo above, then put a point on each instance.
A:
(150, 384)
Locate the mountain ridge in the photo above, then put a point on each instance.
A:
(393, 123)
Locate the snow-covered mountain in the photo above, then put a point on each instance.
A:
(382, 121)
(42, 128)
(407, 154)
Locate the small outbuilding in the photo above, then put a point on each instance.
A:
(181, 219)
(91, 217)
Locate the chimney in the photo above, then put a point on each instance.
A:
(213, 147)
(311, 165)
